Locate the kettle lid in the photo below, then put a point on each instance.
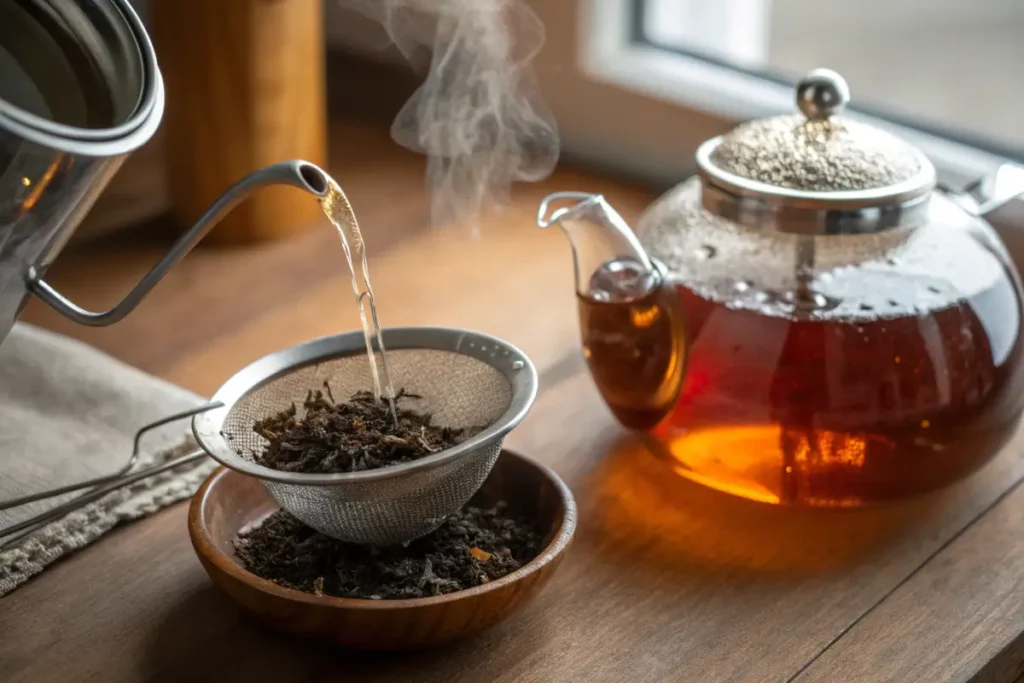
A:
(819, 158)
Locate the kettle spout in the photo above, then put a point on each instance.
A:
(300, 174)
(609, 262)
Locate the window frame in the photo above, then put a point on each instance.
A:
(612, 50)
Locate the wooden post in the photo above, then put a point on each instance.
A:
(245, 88)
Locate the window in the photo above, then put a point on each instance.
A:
(946, 74)
(948, 65)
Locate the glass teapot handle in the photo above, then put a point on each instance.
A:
(300, 174)
(998, 198)
(1000, 190)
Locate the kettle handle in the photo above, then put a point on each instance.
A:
(300, 174)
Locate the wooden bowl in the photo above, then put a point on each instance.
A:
(229, 501)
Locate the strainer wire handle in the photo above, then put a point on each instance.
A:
(41, 520)
(31, 498)
(104, 484)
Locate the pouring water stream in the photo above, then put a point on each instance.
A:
(339, 212)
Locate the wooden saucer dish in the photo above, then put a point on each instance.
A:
(229, 501)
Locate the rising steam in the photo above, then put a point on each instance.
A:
(478, 115)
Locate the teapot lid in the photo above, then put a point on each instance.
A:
(817, 160)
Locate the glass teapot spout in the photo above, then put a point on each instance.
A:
(607, 256)
(631, 323)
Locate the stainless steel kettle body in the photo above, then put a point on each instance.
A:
(80, 89)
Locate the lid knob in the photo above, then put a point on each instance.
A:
(822, 93)
(819, 160)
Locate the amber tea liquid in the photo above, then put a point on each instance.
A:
(629, 329)
(891, 395)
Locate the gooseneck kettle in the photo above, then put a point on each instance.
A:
(80, 89)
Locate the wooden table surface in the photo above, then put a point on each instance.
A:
(666, 580)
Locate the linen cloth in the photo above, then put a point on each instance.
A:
(68, 413)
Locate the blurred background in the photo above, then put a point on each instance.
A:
(942, 63)
(636, 85)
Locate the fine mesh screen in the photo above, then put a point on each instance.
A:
(459, 390)
(392, 510)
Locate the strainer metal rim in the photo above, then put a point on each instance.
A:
(514, 365)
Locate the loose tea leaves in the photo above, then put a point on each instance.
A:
(472, 547)
(353, 436)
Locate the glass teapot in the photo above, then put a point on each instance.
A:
(808, 320)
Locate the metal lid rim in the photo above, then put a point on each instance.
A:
(921, 183)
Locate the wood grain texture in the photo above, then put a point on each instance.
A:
(229, 502)
(245, 88)
(666, 580)
(960, 618)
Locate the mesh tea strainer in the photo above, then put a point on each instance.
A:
(465, 379)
